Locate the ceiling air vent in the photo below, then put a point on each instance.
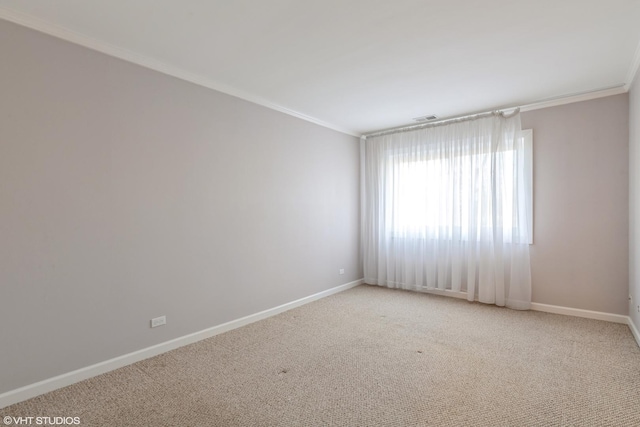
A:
(426, 118)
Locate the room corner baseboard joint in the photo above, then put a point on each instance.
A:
(634, 330)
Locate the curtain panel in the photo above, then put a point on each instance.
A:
(444, 208)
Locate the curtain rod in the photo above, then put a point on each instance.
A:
(543, 103)
(441, 122)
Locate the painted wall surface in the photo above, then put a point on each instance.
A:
(634, 202)
(579, 258)
(127, 194)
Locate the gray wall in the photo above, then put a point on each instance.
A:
(634, 202)
(579, 258)
(127, 194)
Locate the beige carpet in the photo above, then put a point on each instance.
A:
(375, 357)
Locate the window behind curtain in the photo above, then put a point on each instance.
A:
(426, 198)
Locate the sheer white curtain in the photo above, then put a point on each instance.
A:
(445, 208)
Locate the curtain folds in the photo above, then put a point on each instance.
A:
(445, 208)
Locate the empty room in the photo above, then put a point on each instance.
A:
(305, 213)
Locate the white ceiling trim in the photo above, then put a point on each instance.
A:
(633, 69)
(153, 64)
(546, 103)
(570, 99)
(147, 62)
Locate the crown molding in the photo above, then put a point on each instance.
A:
(164, 68)
(537, 105)
(633, 69)
(570, 99)
(153, 64)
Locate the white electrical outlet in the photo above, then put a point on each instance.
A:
(341, 271)
(158, 321)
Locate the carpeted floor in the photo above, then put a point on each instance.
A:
(375, 357)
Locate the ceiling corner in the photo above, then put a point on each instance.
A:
(633, 69)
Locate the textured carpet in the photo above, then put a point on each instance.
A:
(375, 357)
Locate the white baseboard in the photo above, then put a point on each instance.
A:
(555, 309)
(634, 330)
(598, 315)
(576, 312)
(434, 291)
(444, 293)
(45, 386)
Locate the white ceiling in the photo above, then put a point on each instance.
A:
(363, 65)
